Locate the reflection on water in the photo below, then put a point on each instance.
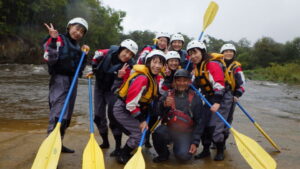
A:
(24, 96)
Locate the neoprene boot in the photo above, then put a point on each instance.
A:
(117, 151)
(125, 155)
(220, 152)
(205, 153)
(105, 143)
(66, 150)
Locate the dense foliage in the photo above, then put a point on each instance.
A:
(22, 32)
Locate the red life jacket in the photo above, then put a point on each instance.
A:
(178, 120)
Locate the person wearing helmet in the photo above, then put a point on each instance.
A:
(182, 122)
(209, 77)
(236, 80)
(134, 99)
(62, 55)
(162, 40)
(176, 44)
(111, 67)
(173, 64)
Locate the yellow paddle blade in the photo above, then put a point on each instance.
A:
(49, 152)
(210, 14)
(137, 161)
(92, 155)
(266, 136)
(252, 152)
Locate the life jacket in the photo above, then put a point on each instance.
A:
(178, 120)
(105, 70)
(203, 75)
(230, 70)
(183, 55)
(69, 58)
(152, 89)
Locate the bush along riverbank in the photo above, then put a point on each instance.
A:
(286, 73)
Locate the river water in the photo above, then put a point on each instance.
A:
(24, 111)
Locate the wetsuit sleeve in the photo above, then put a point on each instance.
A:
(98, 56)
(135, 91)
(143, 54)
(240, 82)
(51, 49)
(160, 82)
(217, 81)
(198, 117)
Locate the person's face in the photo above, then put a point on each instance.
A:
(182, 83)
(228, 54)
(125, 55)
(156, 66)
(76, 32)
(177, 45)
(162, 43)
(195, 55)
(173, 64)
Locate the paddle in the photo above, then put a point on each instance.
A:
(209, 16)
(92, 154)
(258, 127)
(252, 152)
(49, 151)
(137, 160)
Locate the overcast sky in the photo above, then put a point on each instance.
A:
(253, 19)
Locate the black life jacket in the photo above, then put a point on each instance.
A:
(69, 58)
(106, 70)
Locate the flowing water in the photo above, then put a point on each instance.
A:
(24, 117)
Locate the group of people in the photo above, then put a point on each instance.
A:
(156, 85)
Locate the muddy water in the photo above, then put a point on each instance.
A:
(24, 115)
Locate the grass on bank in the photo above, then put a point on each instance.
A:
(286, 73)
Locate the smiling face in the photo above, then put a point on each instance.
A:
(177, 45)
(182, 83)
(125, 55)
(195, 55)
(156, 65)
(76, 31)
(173, 64)
(228, 54)
(162, 43)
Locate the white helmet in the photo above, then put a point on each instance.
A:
(172, 55)
(195, 44)
(162, 34)
(154, 53)
(79, 20)
(228, 46)
(130, 45)
(177, 36)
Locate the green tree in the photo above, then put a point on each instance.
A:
(266, 51)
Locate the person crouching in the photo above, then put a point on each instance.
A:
(182, 124)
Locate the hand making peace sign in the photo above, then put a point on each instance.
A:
(122, 71)
(52, 32)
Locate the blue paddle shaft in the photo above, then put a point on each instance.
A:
(201, 34)
(71, 88)
(91, 106)
(186, 67)
(206, 101)
(144, 133)
(247, 114)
